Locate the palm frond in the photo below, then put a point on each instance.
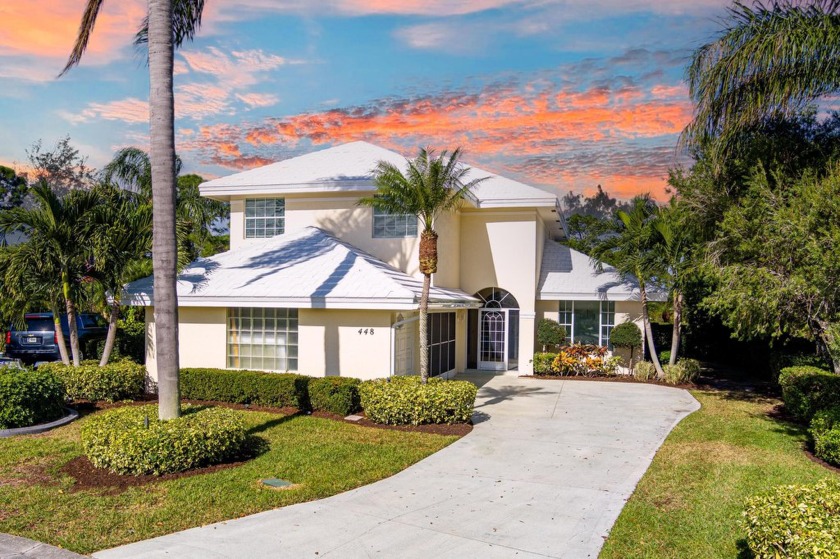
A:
(85, 30)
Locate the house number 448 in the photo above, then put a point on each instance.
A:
(366, 331)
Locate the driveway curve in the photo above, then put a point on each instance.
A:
(545, 473)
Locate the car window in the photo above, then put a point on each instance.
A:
(92, 321)
(39, 325)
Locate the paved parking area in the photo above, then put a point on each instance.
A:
(544, 473)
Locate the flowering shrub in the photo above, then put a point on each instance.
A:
(583, 360)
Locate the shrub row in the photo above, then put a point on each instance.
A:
(338, 395)
(118, 380)
(131, 440)
(795, 521)
(29, 397)
(684, 371)
(578, 360)
(825, 431)
(806, 390)
(406, 401)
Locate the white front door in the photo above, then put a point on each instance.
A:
(492, 339)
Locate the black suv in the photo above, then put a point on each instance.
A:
(38, 342)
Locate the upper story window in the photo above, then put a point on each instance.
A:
(264, 217)
(388, 226)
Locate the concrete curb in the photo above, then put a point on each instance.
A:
(15, 547)
(72, 415)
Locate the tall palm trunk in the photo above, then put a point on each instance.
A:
(164, 245)
(111, 337)
(71, 319)
(676, 333)
(59, 336)
(428, 266)
(649, 332)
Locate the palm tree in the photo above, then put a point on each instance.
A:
(632, 251)
(770, 60)
(429, 187)
(122, 241)
(673, 248)
(59, 231)
(168, 24)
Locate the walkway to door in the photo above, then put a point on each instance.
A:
(544, 473)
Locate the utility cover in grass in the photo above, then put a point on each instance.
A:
(276, 483)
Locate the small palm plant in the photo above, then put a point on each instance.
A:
(428, 187)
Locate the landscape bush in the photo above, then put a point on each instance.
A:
(779, 360)
(406, 401)
(806, 390)
(118, 380)
(550, 333)
(335, 394)
(644, 370)
(246, 387)
(825, 431)
(664, 357)
(29, 397)
(543, 362)
(132, 441)
(684, 371)
(583, 359)
(801, 521)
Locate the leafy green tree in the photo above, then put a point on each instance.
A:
(769, 60)
(59, 233)
(13, 188)
(626, 335)
(633, 253)
(550, 333)
(62, 167)
(430, 186)
(776, 264)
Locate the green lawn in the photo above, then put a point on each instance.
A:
(325, 457)
(689, 502)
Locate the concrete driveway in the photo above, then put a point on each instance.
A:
(544, 473)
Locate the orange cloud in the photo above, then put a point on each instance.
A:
(47, 28)
(622, 138)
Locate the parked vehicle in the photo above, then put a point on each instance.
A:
(9, 362)
(38, 340)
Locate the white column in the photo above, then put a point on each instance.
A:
(526, 342)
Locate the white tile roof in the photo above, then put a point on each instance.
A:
(566, 274)
(308, 268)
(349, 168)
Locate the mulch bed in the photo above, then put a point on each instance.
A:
(813, 458)
(88, 476)
(617, 378)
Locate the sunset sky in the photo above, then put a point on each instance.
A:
(563, 94)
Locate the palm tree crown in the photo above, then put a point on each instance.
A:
(768, 61)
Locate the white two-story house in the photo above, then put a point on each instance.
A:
(316, 284)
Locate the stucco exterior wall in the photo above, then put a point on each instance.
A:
(330, 343)
(341, 216)
(202, 338)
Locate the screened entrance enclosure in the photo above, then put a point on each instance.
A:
(493, 332)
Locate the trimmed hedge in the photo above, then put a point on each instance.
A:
(120, 441)
(118, 380)
(806, 390)
(246, 387)
(335, 394)
(800, 521)
(29, 397)
(825, 430)
(406, 401)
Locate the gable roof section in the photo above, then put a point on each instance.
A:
(349, 168)
(305, 269)
(566, 274)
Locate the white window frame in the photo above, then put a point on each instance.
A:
(278, 218)
(606, 309)
(263, 324)
(404, 225)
